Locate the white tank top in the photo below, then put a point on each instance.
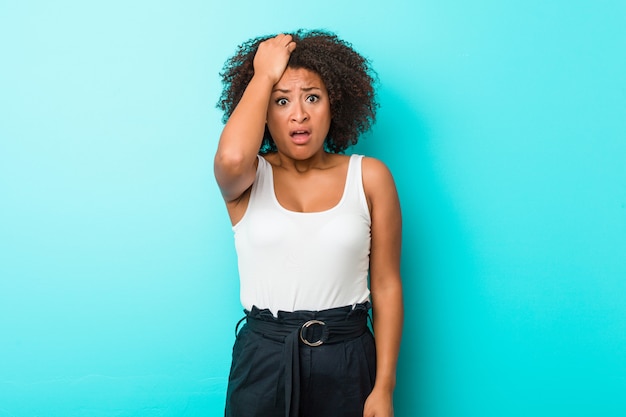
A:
(303, 261)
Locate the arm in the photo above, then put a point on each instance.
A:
(236, 156)
(385, 283)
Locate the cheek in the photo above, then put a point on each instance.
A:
(327, 117)
(327, 113)
(273, 126)
(271, 120)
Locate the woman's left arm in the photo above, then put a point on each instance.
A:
(385, 282)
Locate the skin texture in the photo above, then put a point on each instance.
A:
(295, 106)
(298, 117)
(348, 76)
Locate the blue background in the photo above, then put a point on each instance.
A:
(504, 124)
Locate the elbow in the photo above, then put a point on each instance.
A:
(230, 162)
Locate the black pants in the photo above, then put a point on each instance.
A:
(334, 378)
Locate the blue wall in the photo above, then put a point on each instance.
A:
(504, 124)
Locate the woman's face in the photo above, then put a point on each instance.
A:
(298, 116)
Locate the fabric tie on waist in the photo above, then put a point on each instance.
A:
(306, 329)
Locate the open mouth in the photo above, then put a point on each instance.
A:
(300, 136)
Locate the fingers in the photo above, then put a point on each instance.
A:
(273, 55)
(285, 41)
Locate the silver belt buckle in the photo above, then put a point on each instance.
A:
(307, 325)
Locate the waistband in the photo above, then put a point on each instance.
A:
(306, 329)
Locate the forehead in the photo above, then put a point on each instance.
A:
(299, 78)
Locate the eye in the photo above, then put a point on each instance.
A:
(281, 101)
(312, 98)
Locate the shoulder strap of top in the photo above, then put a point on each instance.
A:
(354, 186)
(263, 183)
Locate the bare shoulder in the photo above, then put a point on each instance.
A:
(379, 187)
(339, 160)
(376, 175)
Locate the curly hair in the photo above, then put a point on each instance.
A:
(348, 77)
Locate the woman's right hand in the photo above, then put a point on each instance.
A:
(272, 57)
(236, 157)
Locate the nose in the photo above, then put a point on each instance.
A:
(299, 113)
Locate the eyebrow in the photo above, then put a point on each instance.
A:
(306, 89)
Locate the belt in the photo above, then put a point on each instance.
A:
(306, 329)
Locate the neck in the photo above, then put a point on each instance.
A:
(320, 160)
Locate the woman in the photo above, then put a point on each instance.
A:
(311, 225)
